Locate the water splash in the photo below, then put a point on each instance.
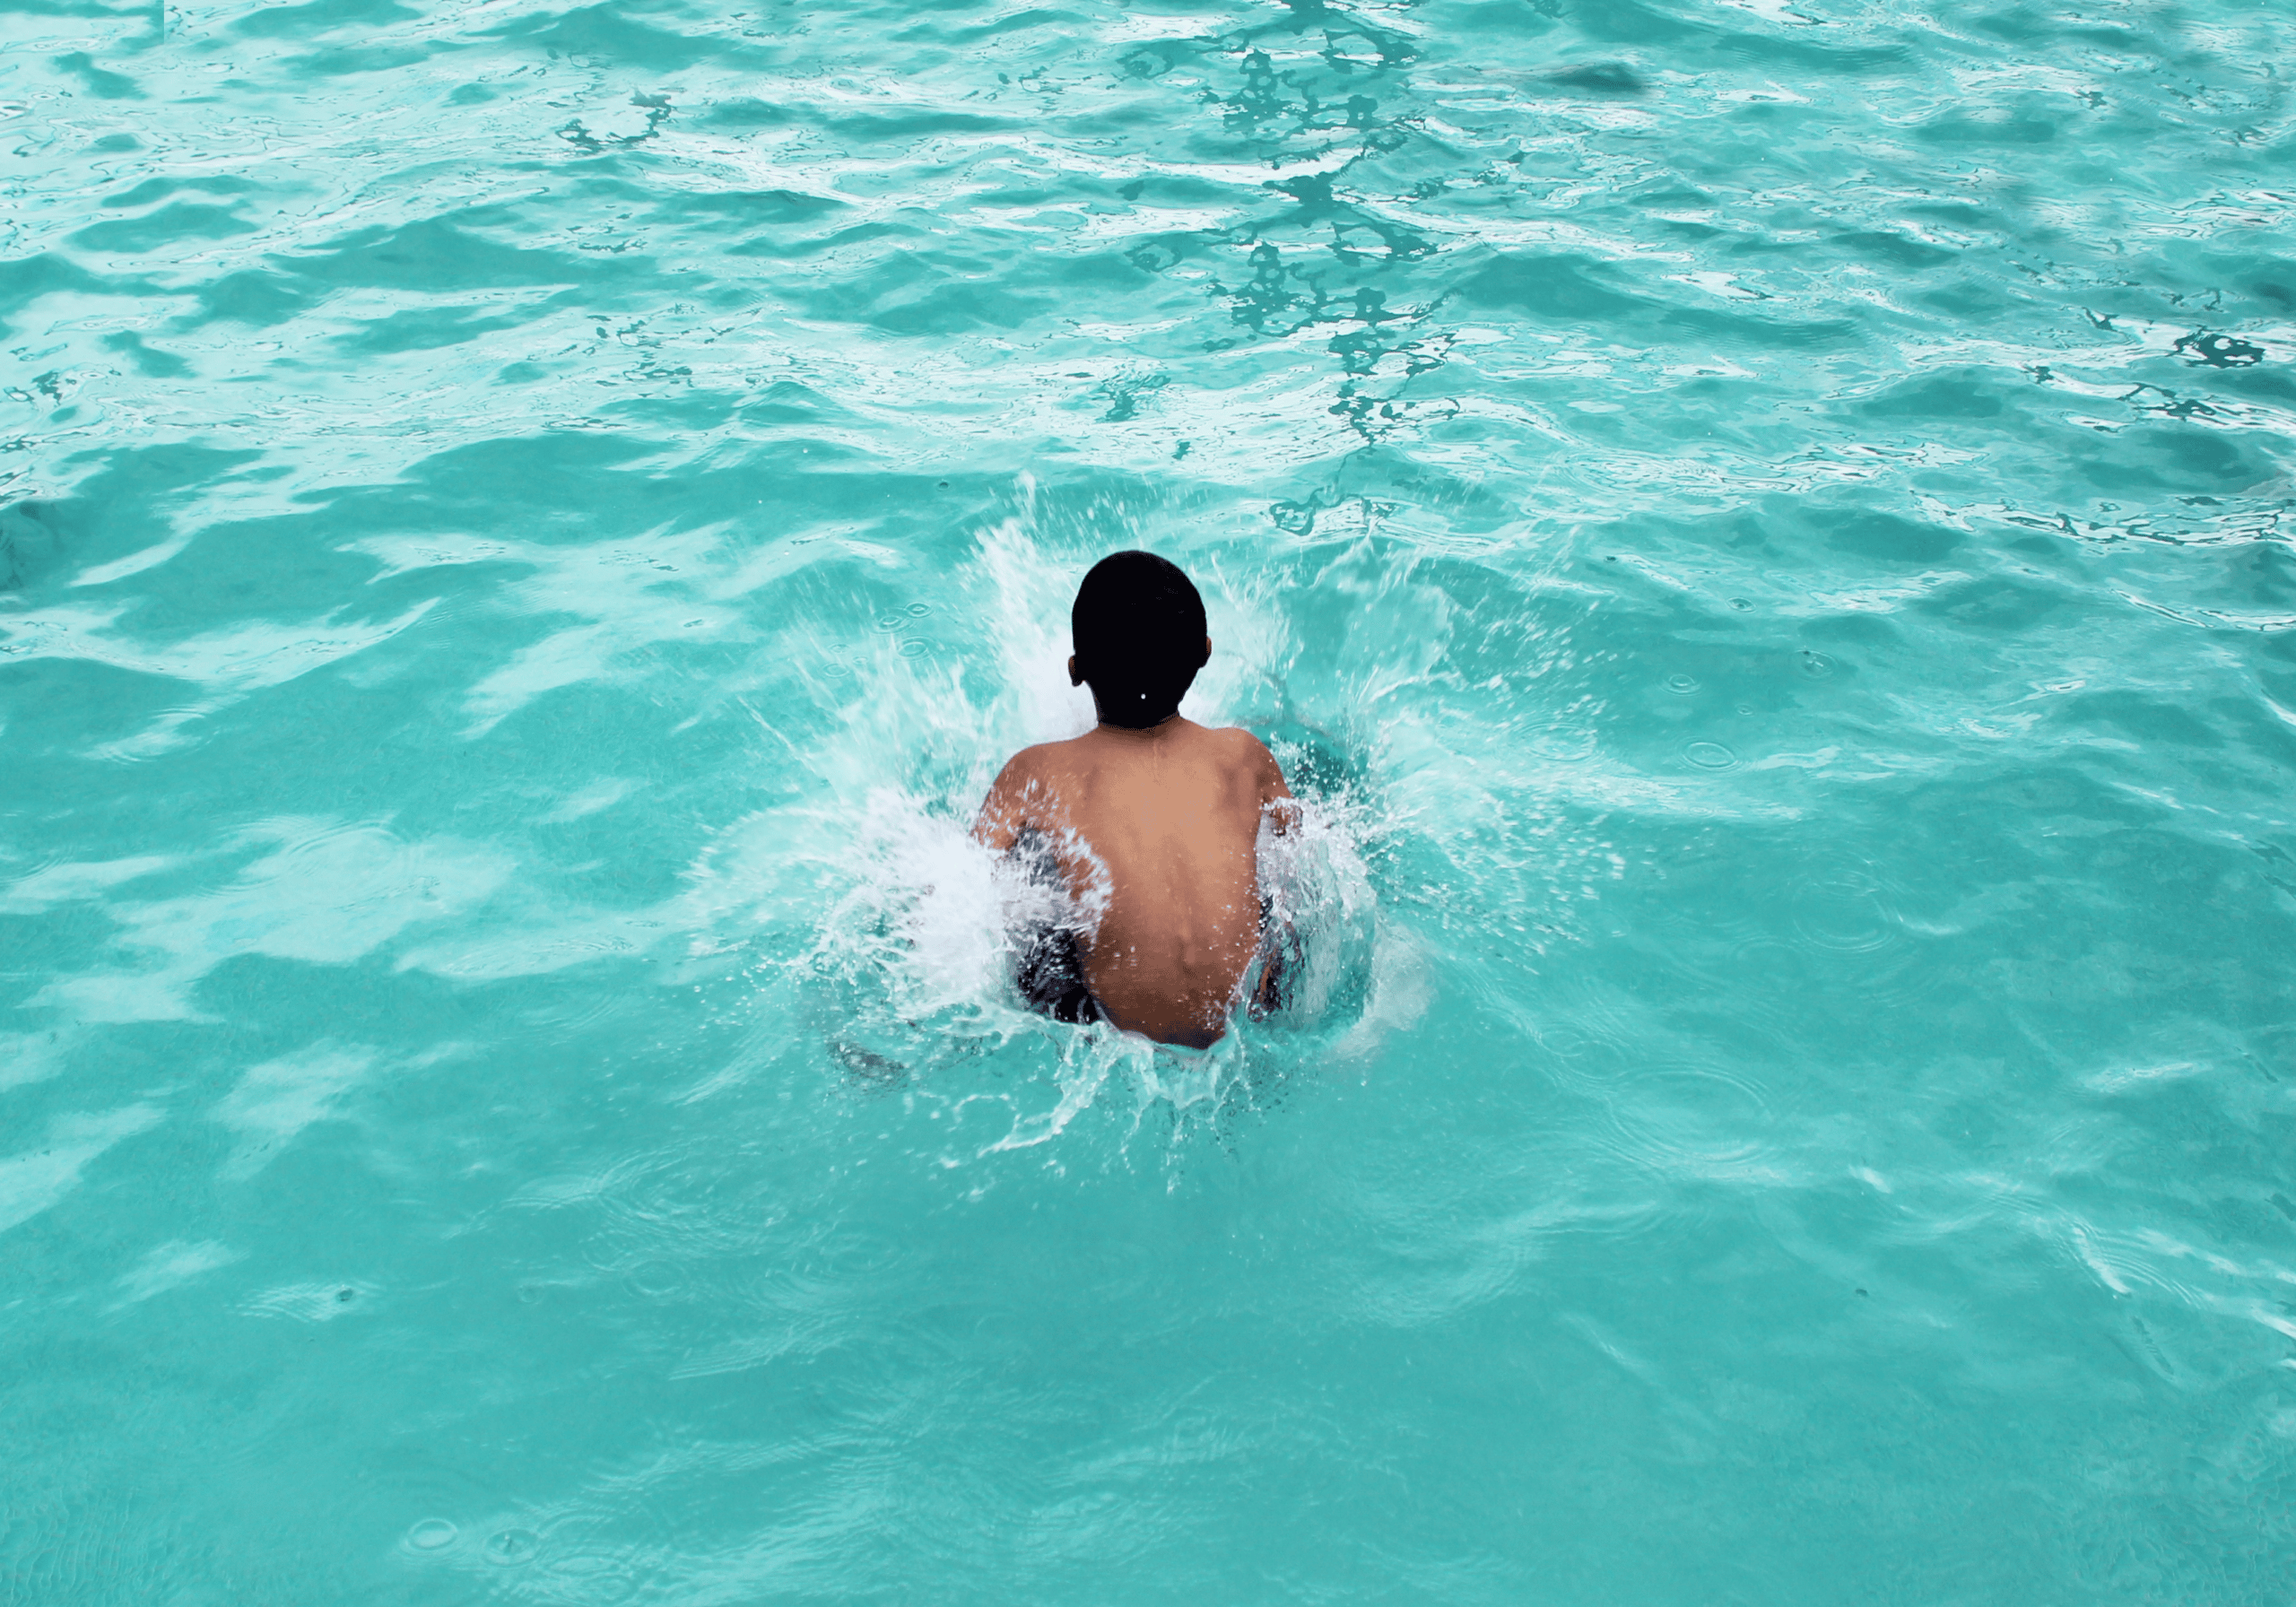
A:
(911, 967)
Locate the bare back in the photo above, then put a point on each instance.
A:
(1163, 824)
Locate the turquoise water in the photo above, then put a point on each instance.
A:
(1763, 528)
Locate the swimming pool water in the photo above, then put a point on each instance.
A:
(1763, 526)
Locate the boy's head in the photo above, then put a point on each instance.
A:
(1138, 625)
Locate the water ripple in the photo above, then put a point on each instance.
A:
(1763, 529)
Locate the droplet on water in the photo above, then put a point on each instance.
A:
(512, 1547)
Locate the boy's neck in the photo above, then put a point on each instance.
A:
(1170, 723)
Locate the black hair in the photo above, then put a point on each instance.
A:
(1138, 626)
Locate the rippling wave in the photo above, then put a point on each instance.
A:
(1764, 526)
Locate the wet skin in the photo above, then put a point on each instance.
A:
(1165, 822)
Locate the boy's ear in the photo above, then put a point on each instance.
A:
(1207, 654)
(1073, 678)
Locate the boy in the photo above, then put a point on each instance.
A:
(1149, 818)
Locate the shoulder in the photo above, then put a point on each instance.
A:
(1241, 743)
(1027, 763)
(1037, 762)
(1251, 763)
(1238, 747)
(1027, 792)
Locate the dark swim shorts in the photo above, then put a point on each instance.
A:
(1050, 969)
(1050, 975)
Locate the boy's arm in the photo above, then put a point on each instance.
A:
(1004, 812)
(1275, 800)
(1281, 811)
